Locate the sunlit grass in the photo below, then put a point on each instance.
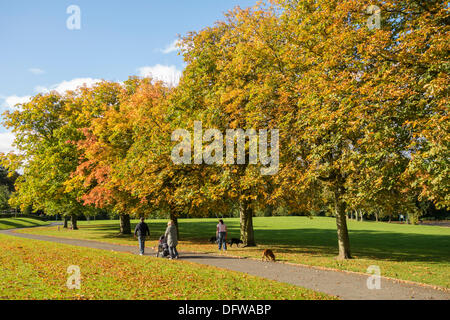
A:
(33, 269)
(408, 252)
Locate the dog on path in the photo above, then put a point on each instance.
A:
(268, 255)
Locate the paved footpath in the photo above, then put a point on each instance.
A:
(346, 286)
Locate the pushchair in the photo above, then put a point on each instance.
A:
(163, 248)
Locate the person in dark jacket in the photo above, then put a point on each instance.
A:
(142, 231)
(172, 239)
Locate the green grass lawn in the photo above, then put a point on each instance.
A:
(12, 223)
(33, 269)
(407, 252)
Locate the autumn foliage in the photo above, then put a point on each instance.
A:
(362, 114)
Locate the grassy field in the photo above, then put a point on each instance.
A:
(12, 223)
(407, 252)
(32, 269)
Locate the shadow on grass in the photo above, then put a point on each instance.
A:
(17, 223)
(365, 244)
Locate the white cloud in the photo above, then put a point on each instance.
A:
(6, 141)
(36, 71)
(172, 47)
(11, 101)
(71, 85)
(168, 74)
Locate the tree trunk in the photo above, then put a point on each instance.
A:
(74, 222)
(125, 224)
(362, 215)
(246, 215)
(376, 216)
(342, 231)
(66, 222)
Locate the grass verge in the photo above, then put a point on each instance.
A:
(406, 252)
(33, 269)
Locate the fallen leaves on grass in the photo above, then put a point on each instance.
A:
(39, 271)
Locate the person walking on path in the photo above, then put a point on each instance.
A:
(142, 231)
(221, 234)
(172, 239)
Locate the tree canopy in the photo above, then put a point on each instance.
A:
(356, 118)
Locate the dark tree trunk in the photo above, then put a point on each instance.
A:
(66, 222)
(247, 233)
(74, 222)
(342, 230)
(125, 224)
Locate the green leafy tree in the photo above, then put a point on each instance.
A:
(46, 128)
(4, 197)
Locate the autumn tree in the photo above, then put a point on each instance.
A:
(146, 169)
(36, 126)
(338, 91)
(418, 76)
(222, 77)
(360, 111)
(128, 156)
(103, 141)
(358, 92)
(45, 130)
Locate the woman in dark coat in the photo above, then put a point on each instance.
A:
(172, 239)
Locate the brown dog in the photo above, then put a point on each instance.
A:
(268, 255)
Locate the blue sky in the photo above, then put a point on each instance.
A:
(117, 39)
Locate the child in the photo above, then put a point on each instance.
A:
(163, 248)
